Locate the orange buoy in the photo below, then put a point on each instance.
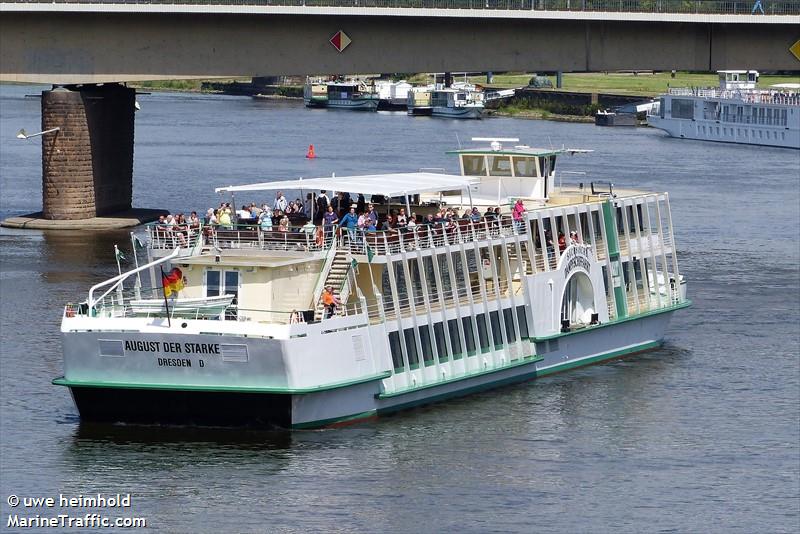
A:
(310, 153)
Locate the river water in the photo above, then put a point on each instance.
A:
(702, 435)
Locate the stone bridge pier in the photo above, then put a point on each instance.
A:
(87, 164)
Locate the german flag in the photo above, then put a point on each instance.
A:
(172, 282)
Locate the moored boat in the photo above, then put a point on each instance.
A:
(735, 112)
(392, 95)
(353, 95)
(456, 103)
(536, 278)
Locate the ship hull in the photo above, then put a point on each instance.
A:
(746, 134)
(102, 401)
(457, 113)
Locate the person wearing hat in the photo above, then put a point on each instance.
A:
(573, 237)
(329, 301)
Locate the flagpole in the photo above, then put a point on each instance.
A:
(166, 302)
(138, 287)
(120, 296)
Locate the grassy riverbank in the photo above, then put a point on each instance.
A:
(188, 86)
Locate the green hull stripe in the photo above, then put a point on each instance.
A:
(519, 378)
(594, 359)
(684, 304)
(526, 361)
(238, 389)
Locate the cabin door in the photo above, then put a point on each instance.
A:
(224, 282)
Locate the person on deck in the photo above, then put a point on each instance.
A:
(337, 204)
(388, 224)
(401, 218)
(280, 203)
(322, 207)
(329, 301)
(475, 216)
(265, 221)
(350, 221)
(372, 214)
(518, 215)
(308, 207)
(330, 217)
(225, 218)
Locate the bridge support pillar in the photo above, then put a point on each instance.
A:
(87, 166)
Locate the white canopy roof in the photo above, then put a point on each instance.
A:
(390, 185)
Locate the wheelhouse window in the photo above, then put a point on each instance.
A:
(499, 165)
(525, 167)
(474, 165)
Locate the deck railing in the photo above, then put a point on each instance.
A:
(429, 235)
(754, 96)
(241, 236)
(723, 7)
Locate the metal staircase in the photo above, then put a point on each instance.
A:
(337, 276)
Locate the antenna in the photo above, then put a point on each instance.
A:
(494, 142)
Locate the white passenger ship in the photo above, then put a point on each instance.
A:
(736, 112)
(584, 274)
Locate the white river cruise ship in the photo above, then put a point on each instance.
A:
(555, 278)
(736, 112)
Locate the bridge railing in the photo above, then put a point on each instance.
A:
(725, 7)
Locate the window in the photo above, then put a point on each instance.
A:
(224, 283)
(212, 283)
(497, 328)
(499, 165)
(483, 332)
(525, 167)
(474, 165)
(397, 350)
(411, 346)
(469, 334)
(508, 317)
(682, 108)
(441, 342)
(523, 322)
(427, 346)
(455, 338)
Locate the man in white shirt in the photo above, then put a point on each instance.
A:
(243, 213)
(280, 202)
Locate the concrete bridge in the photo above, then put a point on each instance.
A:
(87, 154)
(91, 41)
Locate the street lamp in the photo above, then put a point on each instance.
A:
(23, 135)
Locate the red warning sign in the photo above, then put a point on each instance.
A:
(340, 40)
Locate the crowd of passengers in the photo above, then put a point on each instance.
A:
(320, 211)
